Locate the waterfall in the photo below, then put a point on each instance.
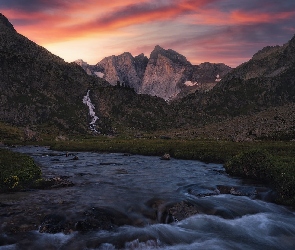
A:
(87, 101)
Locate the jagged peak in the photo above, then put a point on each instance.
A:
(114, 57)
(126, 54)
(80, 61)
(171, 54)
(141, 55)
(5, 22)
(157, 50)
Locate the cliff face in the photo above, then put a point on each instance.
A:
(166, 74)
(124, 69)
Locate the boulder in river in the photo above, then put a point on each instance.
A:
(101, 219)
(166, 157)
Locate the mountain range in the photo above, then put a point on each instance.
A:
(43, 94)
(166, 73)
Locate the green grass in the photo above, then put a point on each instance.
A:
(8, 132)
(271, 162)
(278, 171)
(17, 171)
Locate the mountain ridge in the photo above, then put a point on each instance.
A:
(41, 92)
(166, 73)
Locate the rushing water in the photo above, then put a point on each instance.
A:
(139, 190)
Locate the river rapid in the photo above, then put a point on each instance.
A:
(121, 201)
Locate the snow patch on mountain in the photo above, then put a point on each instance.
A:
(190, 83)
(218, 79)
(99, 74)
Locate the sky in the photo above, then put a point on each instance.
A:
(216, 31)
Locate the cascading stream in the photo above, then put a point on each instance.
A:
(87, 101)
(121, 201)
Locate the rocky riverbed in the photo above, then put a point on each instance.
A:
(119, 201)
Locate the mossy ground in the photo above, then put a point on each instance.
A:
(17, 171)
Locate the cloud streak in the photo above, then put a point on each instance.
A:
(205, 30)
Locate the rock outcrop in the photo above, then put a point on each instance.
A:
(166, 74)
(123, 69)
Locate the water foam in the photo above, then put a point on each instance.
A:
(87, 101)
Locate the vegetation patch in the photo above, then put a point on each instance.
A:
(17, 171)
(278, 172)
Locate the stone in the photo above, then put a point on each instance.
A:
(166, 157)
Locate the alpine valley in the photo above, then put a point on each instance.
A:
(41, 95)
(137, 152)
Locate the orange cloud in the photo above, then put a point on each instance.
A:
(251, 17)
(205, 26)
(84, 19)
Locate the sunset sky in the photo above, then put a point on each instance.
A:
(228, 31)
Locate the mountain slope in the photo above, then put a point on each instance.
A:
(259, 85)
(42, 92)
(38, 87)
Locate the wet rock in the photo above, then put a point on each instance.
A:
(6, 240)
(169, 212)
(181, 210)
(110, 163)
(75, 158)
(53, 223)
(166, 157)
(121, 171)
(82, 174)
(132, 241)
(238, 191)
(202, 192)
(102, 219)
(127, 154)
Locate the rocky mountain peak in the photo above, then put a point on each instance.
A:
(170, 54)
(4, 23)
(165, 74)
(81, 62)
(123, 68)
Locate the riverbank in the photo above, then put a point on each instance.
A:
(269, 162)
(17, 171)
(126, 201)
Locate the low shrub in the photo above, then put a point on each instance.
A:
(279, 172)
(17, 171)
(256, 164)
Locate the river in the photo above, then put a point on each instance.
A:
(121, 201)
